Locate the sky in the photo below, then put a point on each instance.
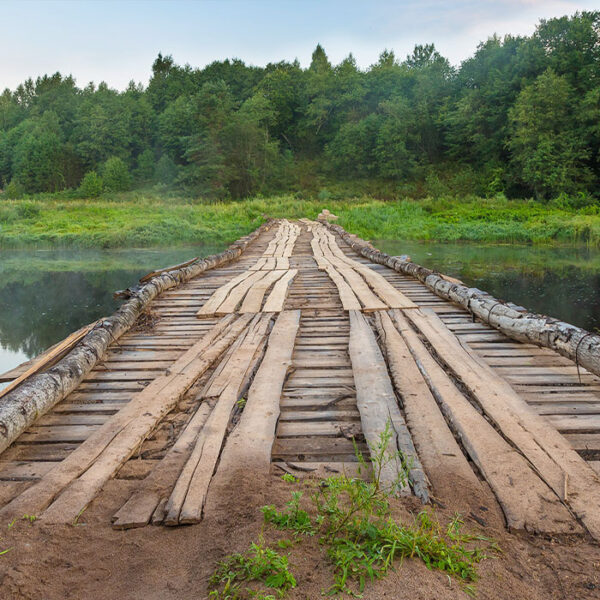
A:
(117, 40)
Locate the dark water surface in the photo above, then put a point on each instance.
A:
(47, 294)
(562, 282)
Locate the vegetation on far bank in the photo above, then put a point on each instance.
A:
(519, 117)
(139, 219)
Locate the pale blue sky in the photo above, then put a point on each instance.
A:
(116, 41)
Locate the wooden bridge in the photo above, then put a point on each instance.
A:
(284, 354)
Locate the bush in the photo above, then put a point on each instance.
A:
(115, 175)
(145, 166)
(166, 170)
(28, 210)
(91, 185)
(14, 190)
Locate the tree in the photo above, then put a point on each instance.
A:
(145, 166)
(547, 153)
(91, 185)
(166, 170)
(38, 159)
(115, 175)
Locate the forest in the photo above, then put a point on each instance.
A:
(521, 117)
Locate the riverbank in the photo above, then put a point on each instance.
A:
(140, 220)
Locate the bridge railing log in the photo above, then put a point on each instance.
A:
(577, 344)
(40, 392)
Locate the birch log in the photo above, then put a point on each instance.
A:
(573, 342)
(38, 394)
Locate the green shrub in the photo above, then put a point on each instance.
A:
(145, 166)
(14, 190)
(91, 185)
(115, 175)
(28, 210)
(166, 170)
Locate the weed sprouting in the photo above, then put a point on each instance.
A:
(293, 517)
(352, 516)
(259, 564)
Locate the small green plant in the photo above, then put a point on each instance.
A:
(293, 517)
(241, 402)
(289, 478)
(30, 518)
(5, 551)
(259, 565)
(362, 540)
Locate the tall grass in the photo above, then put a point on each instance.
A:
(147, 220)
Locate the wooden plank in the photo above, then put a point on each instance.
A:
(443, 460)
(114, 442)
(278, 295)
(368, 299)
(138, 510)
(57, 433)
(254, 298)
(186, 503)
(393, 297)
(24, 470)
(560, 467)
(217, 298)
(379, 409)
(250, 443)
(236, 295)
(526, 500)
(309, 428)
(346, 294)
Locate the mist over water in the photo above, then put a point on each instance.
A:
(47, 294)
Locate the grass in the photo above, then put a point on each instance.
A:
(353, 520)
(146, 219)
(260, 564)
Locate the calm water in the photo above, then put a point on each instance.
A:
(46, 294)
(562, 282)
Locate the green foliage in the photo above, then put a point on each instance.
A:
(28, 210)
(293, 517)
(362, 540)
(166, 170)
(551, 157)
(115, 175)
(14, 190)
(260, 564)
(159, 217)
(519, 117)
(145, 166)
(91, 185)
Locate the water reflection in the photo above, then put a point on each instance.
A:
(45, 295)
(563, 282)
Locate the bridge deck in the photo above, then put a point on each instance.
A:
(322, 420)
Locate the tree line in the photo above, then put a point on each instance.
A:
(520, 117)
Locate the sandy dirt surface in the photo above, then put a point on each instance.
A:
(92, 561)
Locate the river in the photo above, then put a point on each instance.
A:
(46, 294)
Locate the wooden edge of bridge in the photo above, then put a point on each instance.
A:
(288, 338)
